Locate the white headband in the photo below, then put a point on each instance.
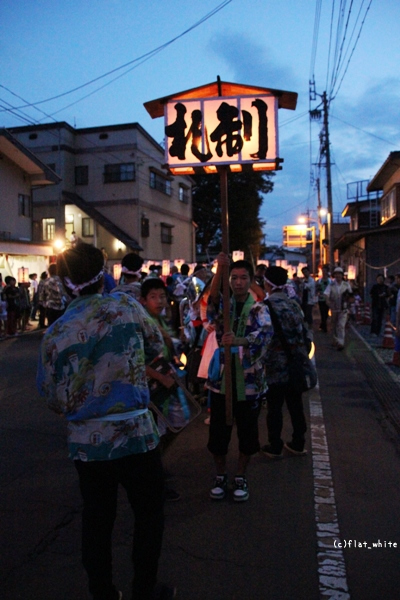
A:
(128, 272)
(274, 287)
(287, 287)
(77, 288)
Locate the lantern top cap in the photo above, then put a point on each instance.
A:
(221, 88)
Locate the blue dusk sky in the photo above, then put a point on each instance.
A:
(134, 51)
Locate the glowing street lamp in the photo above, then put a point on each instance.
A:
(58, 244)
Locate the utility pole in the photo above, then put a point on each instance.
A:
(328, 180)
(321, 253)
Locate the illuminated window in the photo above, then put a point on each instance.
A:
(388, 205)
(87, 227)
(119, 173)
(48, 229)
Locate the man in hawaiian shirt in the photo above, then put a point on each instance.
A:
(92, 371)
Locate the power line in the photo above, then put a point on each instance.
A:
(352, 51)
(139, 60)
(317, 19)
(339, 47)
(330, 43)
(364, 131)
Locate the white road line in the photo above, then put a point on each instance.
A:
(331, 566)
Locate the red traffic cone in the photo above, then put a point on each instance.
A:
(388, 339)
(395, 360)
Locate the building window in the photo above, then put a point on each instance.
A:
(49, 229)
(160, 183)
(119, 172)
(87, 227)
(183, 194)
(145, 227)
(24, 205)
(388, 206)
(166, 233)
(82, 175)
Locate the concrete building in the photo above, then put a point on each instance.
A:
(113, 193)
(21, 174)
(372, 245)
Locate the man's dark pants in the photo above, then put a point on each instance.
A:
(141, 475)
(377, 318)
(324, 312)
(277, 394)
(245, 413)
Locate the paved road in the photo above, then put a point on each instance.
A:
(283, 544)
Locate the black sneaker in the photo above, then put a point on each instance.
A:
(218, 492)
(241, 491)
(271, 452)
(295, 450)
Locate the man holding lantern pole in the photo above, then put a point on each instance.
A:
(247, 341)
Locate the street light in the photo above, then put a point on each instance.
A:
(58, 244)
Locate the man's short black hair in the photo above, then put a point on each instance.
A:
(152, 283)
(81, 264)
(52, 269)
(185, 269)
(242, 264)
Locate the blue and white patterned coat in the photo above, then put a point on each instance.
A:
(92, 370)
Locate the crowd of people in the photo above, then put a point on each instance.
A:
(120, 359)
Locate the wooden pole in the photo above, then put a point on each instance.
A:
(223, 173)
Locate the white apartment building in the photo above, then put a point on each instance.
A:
(21, 172)
(113, 193)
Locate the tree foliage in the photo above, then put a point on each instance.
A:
(245, 198)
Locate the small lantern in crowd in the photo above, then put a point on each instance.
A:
(23, 275)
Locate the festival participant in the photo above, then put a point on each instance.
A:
(34, 295)
(308, 296)
(3, 313)
(394, 286)
(92, 370)
(24, 306)
(287, 318)
(55, 296)
(42, 300)
(248, 339)
(11, 295)
(379, 295)
(174, 407)
(338, 296)
(129, 283)
(297, 285)
(322, 284)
